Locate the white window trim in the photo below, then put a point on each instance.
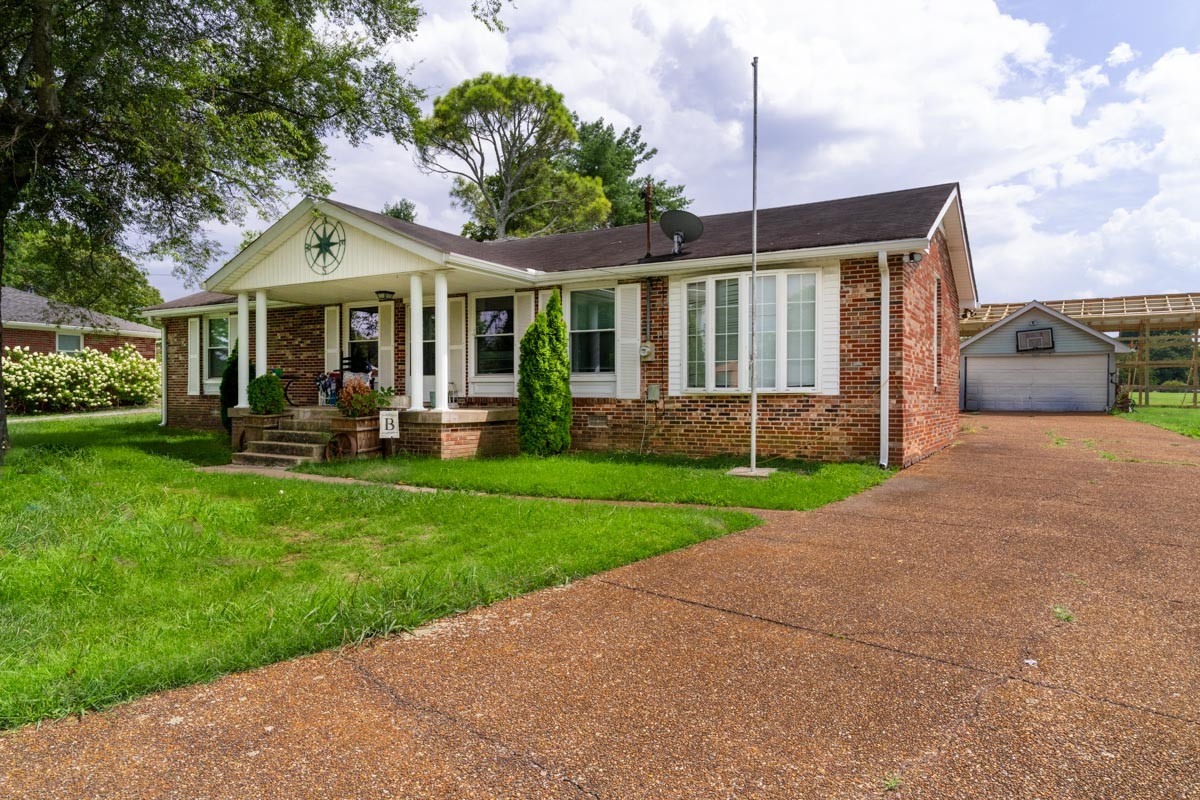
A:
(744, 334)
(346, 324)
(58, 339)
(590, 377)
(507, 377)
(211, 385)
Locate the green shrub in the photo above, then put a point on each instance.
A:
(266, 395)
(229, 391)
(87, 380)
(1172, 386)
(544, 384)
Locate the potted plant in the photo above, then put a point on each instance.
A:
(268, 406)
(356, 431)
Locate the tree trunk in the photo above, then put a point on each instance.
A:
(4, 443)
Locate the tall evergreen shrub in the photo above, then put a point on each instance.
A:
(229, 391)
(544, 384)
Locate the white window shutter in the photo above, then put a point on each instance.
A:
(523, 308)
(543, 297)
(193, 355)
(233, 334)
(333, 334)
(629, 339)
(456, 322)
(675, 365)
(387, 344)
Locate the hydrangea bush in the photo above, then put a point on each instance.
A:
(88, 380)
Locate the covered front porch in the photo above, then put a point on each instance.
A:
(326, 298)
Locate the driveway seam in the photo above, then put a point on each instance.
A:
(1004, 676)
(400, 701)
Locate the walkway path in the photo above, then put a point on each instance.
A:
(1016, 617)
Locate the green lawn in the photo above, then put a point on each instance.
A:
(123, 571)
(797, 485)
(1165, 411)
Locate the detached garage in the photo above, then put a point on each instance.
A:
(1037, 359)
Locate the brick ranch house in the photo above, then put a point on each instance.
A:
(46, 326)
(658, 343)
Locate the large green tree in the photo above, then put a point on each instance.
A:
(64, 263)
(403, 208)
(615, 158)
(139, 119)
(503, 139)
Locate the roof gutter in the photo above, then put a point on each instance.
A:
(48, 326)
(191, 311)
(658, 268)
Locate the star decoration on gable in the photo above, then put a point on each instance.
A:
(325, 245)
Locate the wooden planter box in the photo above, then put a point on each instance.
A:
(249, 428)
(353, 437)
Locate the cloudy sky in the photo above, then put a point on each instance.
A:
(1072, 125)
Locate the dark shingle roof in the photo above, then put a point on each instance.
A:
(17, 305)
(907, 214)
(195, 301)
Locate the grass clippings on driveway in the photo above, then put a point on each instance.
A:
(123, 571)
(798, 486)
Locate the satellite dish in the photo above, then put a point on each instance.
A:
(681, 227)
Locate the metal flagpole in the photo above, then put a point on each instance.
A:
(754, 280)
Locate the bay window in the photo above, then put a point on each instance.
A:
(717, 349)
(593, 331)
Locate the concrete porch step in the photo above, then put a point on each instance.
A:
(309, 451)
(267, 460)
(301, 437)
(308, 425)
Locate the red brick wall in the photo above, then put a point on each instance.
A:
(826, 427)
(929, 413)
(46, 341)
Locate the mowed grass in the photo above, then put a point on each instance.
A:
(123, 571)
(797, 485)
(1165, 411)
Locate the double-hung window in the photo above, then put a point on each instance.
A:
(495, 337)
(716, 335)
(593, 331)
(428, 343)
(216, 347)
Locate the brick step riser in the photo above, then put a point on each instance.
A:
(267, 460)
(299, 437)
(309, 452)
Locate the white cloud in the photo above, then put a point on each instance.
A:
(1123, 53)
(858, 97)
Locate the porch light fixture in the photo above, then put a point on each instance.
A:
(383, 295)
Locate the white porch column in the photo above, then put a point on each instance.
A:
(260, 331)
(243, 342)
(441, 343)
(416, 350)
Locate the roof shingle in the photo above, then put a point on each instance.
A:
(17, 306)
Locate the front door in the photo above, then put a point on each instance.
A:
(457, 335)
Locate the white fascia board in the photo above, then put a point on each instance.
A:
(732, 262)
(960, 232)
(469, 264)
(1116, 344)
(47, 326)
(248, 256)
(192, 311)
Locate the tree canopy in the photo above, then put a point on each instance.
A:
(143, 120)
(63, 263)
(601, 153)
(502, 138)
(403, 208)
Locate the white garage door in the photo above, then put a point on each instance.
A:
(1037, 383)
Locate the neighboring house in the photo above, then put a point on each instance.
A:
(1038, 359)
(659, 343)
(47, 326)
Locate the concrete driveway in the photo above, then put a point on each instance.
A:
(906, 633)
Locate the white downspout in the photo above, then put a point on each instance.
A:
(885, 355)
(162, 370)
